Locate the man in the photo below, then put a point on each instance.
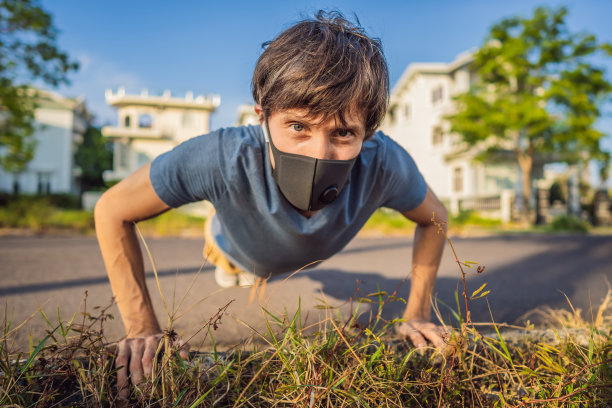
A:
(294, 190)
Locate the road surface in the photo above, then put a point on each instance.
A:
(522, 273)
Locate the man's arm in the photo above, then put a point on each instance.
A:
(130, 201)
(427, 252)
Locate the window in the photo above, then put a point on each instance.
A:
(436, 95)
(187, 119)
(437, 136)
(458, 180)
(145, 121)
(126, 121)
(44, 183)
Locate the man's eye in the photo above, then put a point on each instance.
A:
(297, 127)
(343, 133)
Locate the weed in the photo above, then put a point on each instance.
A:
(339, 361)
(569, 223)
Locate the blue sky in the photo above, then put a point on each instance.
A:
(212, 46)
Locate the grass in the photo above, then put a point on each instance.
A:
(351, 360)
(49, 215)
(40, 216)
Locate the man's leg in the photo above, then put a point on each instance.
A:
(226, 273)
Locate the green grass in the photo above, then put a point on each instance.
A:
(343, 360)
(39, 215)
(387, 222)
(43, 215)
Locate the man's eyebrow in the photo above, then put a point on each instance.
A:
(353, 127)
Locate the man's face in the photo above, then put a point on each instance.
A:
(293, 132)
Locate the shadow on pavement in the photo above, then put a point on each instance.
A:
(86, 282)
(579, 271)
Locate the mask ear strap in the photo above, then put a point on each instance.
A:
(264, 127)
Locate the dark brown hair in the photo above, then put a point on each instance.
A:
(326, 65)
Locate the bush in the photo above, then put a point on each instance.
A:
(472, 218)
(387, 221)
(65, 201)
(569, 223)
(25, 213)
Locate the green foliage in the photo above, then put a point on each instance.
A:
(472, 218)
(569, 223)
(386, 221)
(339, 361)
(41, 213)
(28, 52)
(173, 223)
(538, 94)
(60, 212)
(92, 157)
(17, 146)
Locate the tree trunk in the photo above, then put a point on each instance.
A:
(525, 161)
(15, 185)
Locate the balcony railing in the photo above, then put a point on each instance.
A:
(132, 133)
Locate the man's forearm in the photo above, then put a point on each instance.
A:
(124, 264)
(427, 252)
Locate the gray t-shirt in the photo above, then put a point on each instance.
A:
(254, 225)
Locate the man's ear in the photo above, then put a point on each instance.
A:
(259, 112)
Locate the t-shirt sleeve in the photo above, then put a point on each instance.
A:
(190, 172)
(403, 184)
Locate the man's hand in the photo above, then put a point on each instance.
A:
(135, 357)
(417, 330)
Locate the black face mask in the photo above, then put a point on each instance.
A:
(308, 183)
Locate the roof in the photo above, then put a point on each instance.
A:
(121, 98)
(52, 100)
(433, 68)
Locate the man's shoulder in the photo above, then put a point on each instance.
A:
(379, 146)
(232, 137)
(378, 140)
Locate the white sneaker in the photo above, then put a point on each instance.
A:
(230, 280)
(246, 279)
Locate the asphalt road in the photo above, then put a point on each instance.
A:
(522, 273)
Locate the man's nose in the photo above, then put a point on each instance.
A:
(322, 149)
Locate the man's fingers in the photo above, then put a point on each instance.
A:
(122, 360)
(150, 347)
(434, 335)
(137, 349)
(408, 330)
(183, 348)
(417, 339)
(418, 331)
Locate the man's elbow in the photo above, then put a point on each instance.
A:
(103, 210)
(441, 213)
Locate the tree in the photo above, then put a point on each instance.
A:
(538, 94)
(92, 157)
(28, 52)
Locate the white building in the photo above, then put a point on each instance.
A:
(60, 123)
(247, 115)
(415, 119)
(150, 125)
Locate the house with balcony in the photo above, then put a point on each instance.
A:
(247, 115)
(415, 118)
(59, 126)
(150, 125)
